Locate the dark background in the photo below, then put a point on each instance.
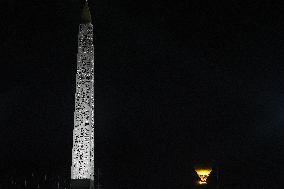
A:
(177, 83)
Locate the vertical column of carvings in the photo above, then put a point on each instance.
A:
(92, 142)
(83, 133)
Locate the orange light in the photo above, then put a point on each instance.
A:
(201, 182)
(203, 174)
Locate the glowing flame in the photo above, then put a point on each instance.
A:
(203, 174)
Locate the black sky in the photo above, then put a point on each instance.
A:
(177, 83)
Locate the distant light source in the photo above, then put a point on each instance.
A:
(203, 173)
(201, 182)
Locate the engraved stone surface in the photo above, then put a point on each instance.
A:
(83, 133)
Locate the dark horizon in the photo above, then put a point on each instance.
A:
(176, 84)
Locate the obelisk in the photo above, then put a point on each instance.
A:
(82, 170)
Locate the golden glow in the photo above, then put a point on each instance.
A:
(201, 182)
(203, 174)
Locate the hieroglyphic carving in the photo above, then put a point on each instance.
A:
(83, 133)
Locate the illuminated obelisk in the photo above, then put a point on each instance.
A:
(82, 170)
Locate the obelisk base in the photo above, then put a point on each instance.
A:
(82, 184)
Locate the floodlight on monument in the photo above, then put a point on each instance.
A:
(203, 173)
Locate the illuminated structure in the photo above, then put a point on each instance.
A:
(82, 169)
(203, 174)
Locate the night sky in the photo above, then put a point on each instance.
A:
(177, 83)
